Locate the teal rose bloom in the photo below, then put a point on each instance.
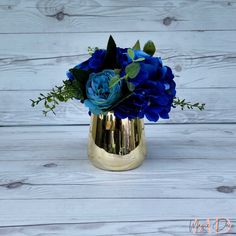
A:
(99, 95)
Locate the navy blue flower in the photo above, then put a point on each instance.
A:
(148, 70)
(152, 97)
(122, 57)
(93, 64)
(149, 94)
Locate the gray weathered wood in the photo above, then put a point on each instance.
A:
(155, 179)
(51, 144)
(197, 59)
(44, 162)
(15, 108)
(99, 16)
(145, 228)
(107, 210)
(48, 186)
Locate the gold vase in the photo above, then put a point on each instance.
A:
(116, 144)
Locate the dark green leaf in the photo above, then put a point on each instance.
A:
(136, 46)
(79, 83)
(110, 58)
(49, 99)
(149, 48)
(117, 71)
(60, 97)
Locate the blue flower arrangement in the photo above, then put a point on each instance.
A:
(130, 82)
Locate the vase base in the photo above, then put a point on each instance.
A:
(113, 162)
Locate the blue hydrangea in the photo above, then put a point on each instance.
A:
(153, 96)
(154, 86)
(93, 64)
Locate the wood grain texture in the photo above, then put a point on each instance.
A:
(15, 108)
(48, 186)
(144, 228)
(62, 143)
(40, 61)
(147, 228)
(155, 179)
(106, 210)
(104, 16)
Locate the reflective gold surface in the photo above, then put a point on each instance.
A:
(116, 144)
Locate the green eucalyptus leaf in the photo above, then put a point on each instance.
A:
(132, 70)
(114, 81)
(136, 46)
(149, 48)
(131, 53)
(130, 86)
(139, 59)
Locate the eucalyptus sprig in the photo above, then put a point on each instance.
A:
(91, 50)
(51, 99)
(183, 104)
(131, 70)
(69, 90)
(75, 87)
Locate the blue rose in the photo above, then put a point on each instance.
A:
(99, 96)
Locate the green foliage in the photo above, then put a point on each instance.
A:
(69, 90)
(130, 86)
(183, 104)
(132, 69)
(110, 58)
(131, 53)
(92, 50)
(136, 46)
(114, 80)
(149, 48)
(139, 59)
(53, 98)
(76, 88)
(79, 82)
(117, 71)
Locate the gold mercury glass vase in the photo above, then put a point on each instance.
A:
(116, 144)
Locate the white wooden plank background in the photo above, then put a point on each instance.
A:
(47, 185)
